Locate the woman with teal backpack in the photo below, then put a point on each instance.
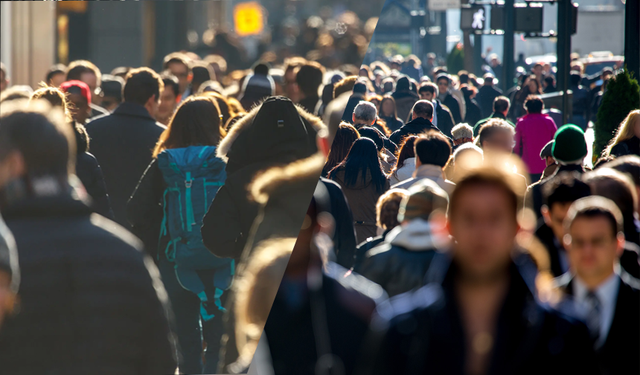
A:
(166, 212)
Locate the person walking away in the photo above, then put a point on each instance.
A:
(309, 79)
(400, 263)
(389, 113)
(473, 113)
(85, 71)
(406, 161)
(342, 141)
(580, 101)
(533, 131)
(627, 138)
(122, 142)
(421, 117)
(166, 210)
(362, 180)
(91, 301)
(404, 97)
(445, 97)
(594, 242)
(432, 152)
(500, 110)
(487, 95)
(442, 117)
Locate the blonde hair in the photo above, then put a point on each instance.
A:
(255, 291)
(625, 131)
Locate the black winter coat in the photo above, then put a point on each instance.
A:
(344, 237)
(534, 191)
(123, 143)
(425, 335)
(485, 97)
(415, 127)
(91, 302)
(628, 147)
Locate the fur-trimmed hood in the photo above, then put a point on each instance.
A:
(276, 130)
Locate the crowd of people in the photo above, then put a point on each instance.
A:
(160, 222)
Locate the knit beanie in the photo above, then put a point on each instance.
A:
(424, 198)
(569, 144)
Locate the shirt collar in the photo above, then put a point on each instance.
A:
(606, 292)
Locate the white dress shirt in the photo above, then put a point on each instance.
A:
(607, 294)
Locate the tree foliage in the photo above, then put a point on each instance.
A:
(621, 97)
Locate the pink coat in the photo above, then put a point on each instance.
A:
(533, 132)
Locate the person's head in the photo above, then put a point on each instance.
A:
(533, 85)
(87, 72)
(309, 78)
(168, 98)
(388, 85)
(373, 134)
(494, 61)
(537, 69)
(56, 75)
(534, 104)
(594, 239)
(428, 91)
(364, 114)
(180, 66)
(549, 81)
(290, 72)
(501, 104)
(496, 135)
(629, 128)
(79, 97)
(121, 71)
(424, 201)
(56, 98)
(616, 186)
(376, 100)
(468, 91)
(488, 79)
(606, 74)
(4, 77)
(197, 122)
(443, 81)
(462, 133)
(629, 165)
(388, 107)
(35, 141)
(406, 150)
(143, 86)
(569, 145)
(466, 157)
(422, 109)
(111, 92)
(483, 221)
(361, 164)
(342, 142)
(432, 148)
(201, 72)
(345, 85)
(557, 196)
(387, 208)
(546, 155)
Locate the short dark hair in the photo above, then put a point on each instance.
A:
(433, 148)
(501, 104)
(202, 72)
(443, 76)
(309, 78)
(629, 165)
(592, 207)
(141, 84)
(170, 81)
(614, 185)
(112, 86)
(564, 187)
(77, 68)
(429, 87)
(492, 127)
(423, 108)
(549, 79)
(534, 104)
(40, 135)
(53, 71)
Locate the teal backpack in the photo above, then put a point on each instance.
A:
(193, 175)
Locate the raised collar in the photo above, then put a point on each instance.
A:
(132, 109)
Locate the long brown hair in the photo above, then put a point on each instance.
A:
(387, 98)
(405, 151)
(625, 130)
(342, 142)
(197, 121)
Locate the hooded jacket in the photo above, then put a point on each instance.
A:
(404, 97)
(400, 263)
(273, 134)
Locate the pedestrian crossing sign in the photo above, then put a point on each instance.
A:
(248, 18)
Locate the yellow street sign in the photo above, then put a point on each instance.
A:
(248, 18)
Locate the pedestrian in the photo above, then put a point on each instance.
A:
(461, 134)
(309, 79)
(87, 72)
(168, 99)
(400, 263)
(79, 96)
(180, 182)
(111, 92)
(442, 117)
(487, 95)
(344, 138)
(627, 138)
(404, 97)
(387, 158)
(387, 219)
(91, 301)
(533, 131)
(87, 168)
(123, 141)
(473, 113)
(389, 113)
(579, 101)
(256, 87)
(433, 152)
(445, 97)
(594, 242)
(550, 162)
(480, 307)
(179, 65)
(496, 136)
(56, 75)
(558, 195)
(501, 106)
(421, 117)
(406, 161)
(363, 181)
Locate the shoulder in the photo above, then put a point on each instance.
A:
(355, 282)
(411, 303)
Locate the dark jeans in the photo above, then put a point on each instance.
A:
(190, 328)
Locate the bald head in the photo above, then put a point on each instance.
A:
(422, 108)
